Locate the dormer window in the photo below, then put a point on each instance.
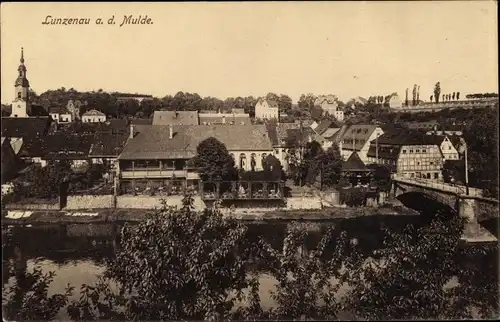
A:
(19, 95)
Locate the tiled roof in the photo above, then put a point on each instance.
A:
(175, 118)
(273, 134)
(383, 152)
(405, 137)
(93, 112)
(329, 133)
(230, 118)
(108, 144)
(354, 163)
(118, 125)
(25, 127)
(271, 103)
(154, 142)
(238, 110)
(360, 132)
(58, 145)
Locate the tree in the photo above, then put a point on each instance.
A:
(330, 162)
(316, 113)
(482, 145)
(301, 294)
(437, 91)
(458, 96)
(306, 102)
(214, 162)
(453, 96)
(406, 97)
(273, 169)
(285, 103)
(430, 99)
(414, 100)
(177, 264)
(418, 94)
(27, 298)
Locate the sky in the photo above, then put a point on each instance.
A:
(235, 49)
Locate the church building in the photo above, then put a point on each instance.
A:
(21, 105)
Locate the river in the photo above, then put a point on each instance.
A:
(76, 252)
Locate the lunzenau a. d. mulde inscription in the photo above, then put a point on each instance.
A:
(127, 20)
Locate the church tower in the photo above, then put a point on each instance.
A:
(21, 106)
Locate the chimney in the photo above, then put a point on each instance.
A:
(170, 132)
(131, 135)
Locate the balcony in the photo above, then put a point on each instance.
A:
(153, 173)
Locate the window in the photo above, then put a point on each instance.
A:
(404, 151)
(417, 151)
(431, 163)
(411, 151)
(424, 150)
(19, 95)
(449, 147)
(418, 163)
(436, 175)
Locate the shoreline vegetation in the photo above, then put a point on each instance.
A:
(182, 264)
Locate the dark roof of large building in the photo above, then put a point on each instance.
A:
(155, 143)
(354, 163)
(58, 145)
(383, 152)
(407, 137)
(25, 127)
(141, 121)
(175, 118)
(108, 144)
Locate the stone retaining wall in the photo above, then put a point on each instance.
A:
(89, 202)
(33, 206)
(151, 202)
(303, 203)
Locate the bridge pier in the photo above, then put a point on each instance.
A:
(473, 231)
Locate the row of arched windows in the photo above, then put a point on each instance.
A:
(242, 161)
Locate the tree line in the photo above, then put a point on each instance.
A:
(109, 104)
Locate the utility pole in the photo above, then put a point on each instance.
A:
(376, 147)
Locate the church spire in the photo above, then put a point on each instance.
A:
(22, 55)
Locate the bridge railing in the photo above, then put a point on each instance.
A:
(459, 189)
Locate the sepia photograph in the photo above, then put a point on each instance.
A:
(245, 161)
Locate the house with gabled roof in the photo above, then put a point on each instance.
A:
(357, 138)
(409, 153)
(60, 114)
(329, 104)
(93, 116)
(355, 171)
(267, 109)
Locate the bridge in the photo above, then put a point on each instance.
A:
(472, 205)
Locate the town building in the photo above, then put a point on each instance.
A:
(408, 153)
(330, 106)
(267, 109)
(357, 138)
(21, 105)
(355, 171)
(160, 153)
(447, 147)
(93, 116)
(60, 114)
(324, 132)
(287, 140)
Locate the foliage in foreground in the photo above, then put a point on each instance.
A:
(179, 264)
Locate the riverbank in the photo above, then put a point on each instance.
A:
(23, 217)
